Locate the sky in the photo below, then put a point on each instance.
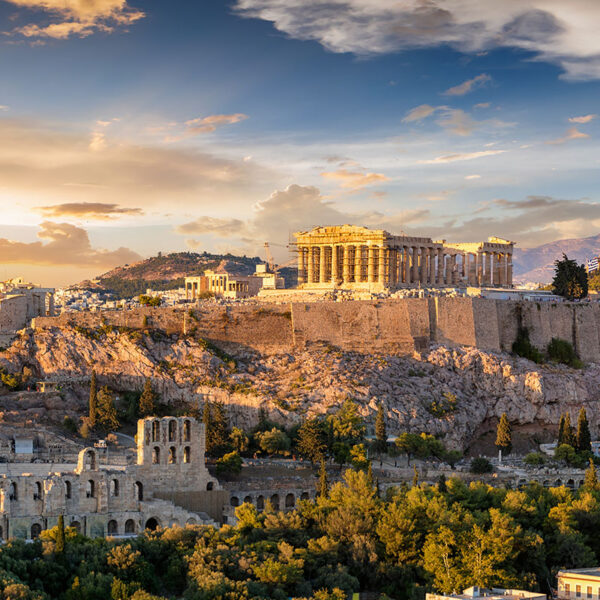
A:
(129, 127)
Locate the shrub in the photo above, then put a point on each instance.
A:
(229, 464)
(69, 424)
(522, 346)
(563, 352)
(446, 405)
(535, 459)
(481, 465)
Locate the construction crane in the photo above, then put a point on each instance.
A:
(271, 263)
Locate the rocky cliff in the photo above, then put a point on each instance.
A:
(417, 391)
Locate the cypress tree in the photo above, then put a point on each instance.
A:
(106, 414)
(504, 435)
(568, 437)
(323, 486)
(60, 535)
(93, 402)
(380, 430)
(415, 481)
(561, 431)
(591, 482)
(146, 406)
(583, 439)
(370, 474)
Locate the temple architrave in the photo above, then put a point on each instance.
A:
(354, 257)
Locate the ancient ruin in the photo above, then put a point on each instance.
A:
(116, 500)
(353, 257)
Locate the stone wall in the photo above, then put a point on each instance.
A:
(394, 325)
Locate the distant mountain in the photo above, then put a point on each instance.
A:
(537, 264)
(167, 271)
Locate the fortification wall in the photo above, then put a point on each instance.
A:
(395, 325)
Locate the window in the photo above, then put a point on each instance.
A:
(186, 454)
(156, 455)
(112, 527)
(186, 431)
(172, 431)
(13, 492)
(130, 526)
(172, 455)
(67, 490)
(568, 588)
(589, 591)
(37, 491)
(156, 431)
(139, 490)
(90, 490)
(578, 591)
(114, 487)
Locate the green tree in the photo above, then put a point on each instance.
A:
(216, 428)
(311, 440)
(590, 481)
(380, 430)
(410, 444)
(481, 465)
(358, 456)
(106, 414)
(570, 279)
(274, 441)
(229, 464)
(60, 535)
(147, 402)
(583, 439)
(323, 485)
(348, 425)
(504, 435)
(415, 480)
(568, 435)
(93, 401)
(561, 431)
(239, 440)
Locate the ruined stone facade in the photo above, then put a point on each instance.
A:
(354, 257)
(109, 500)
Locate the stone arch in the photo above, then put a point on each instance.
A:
(114, 487)
(571, 484)
(187, 430)
(152, 524)
(36, 530)
(156, 455)
(558, 483)
(90, 489)
(68, 490)
(76, 525)
(581, 482)
(13, 491)
(210, 486)
(275, 501)
(156, 430)
(191, 521)
(138, 489)
(260, 502)
(546, 483)
(87, 460)
(174, 523)
(37, 490)
(172, 455)
(234, 501)
(130, 526)
(112, 527)
(290, 500)
(172, 430)
(522, 482)
(187, 455)
(305, 496)
(247, 500)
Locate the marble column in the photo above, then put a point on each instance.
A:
(440, 266)
(415, 264)
(382, 265)
(322, 265)
(448, 271)
(310, 269)
(431, 266)
(488, 268)
(301, 274)
(405, 265)
(334, 264)
(371, 264)
(346, 264)
(502, 269)
(479, 269)
(509, 268)
(358, 264)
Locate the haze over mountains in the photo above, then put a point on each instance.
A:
(537, 264)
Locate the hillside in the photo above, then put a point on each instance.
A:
(166, 271)
(537, 264)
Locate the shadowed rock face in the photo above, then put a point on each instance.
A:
(314, 380)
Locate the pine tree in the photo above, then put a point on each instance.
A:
(370, 474)
(504, 435)
(591, 482)
(93, 403)
(323, 485)
(106, 411)
(561, 431)
(415, 481)
(60, 535)
(311, 443)
(583, 439)
(568, 436)
(146, 406)
(380, 430)
(216, 428)
(442, 487)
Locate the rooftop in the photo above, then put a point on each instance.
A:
(591, 572)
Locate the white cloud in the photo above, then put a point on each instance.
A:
(208, 124)
(563, 33)
(583, 119)
(354, 180)
(419, 113)
(571, 134)
(447, 158)
(469, 177)
(468, 86)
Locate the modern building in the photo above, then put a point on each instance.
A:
(489, 594)
(592, 264)
(355, 257)
(579, 583)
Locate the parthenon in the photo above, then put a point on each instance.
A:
(356, 257)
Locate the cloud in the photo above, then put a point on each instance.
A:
(87, 210)
(63, 244)
(354, 180)
(39, 161)
(468, 86)
(294, 208)
(457, 121)
(482, 105)
(419, 113)
(571, 134)
(447, 158)
(4, 108)
(562, 33)
(204, 125)
(582, 120)
(77, 17)
(469, 177)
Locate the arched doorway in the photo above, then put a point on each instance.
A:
(76, 525)
(152, 524)
(260, 502)
(290, 501)
(305, 496)
(112, 527)
(130, 526)
(36, 529)
(275, 501)
(139, 491)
